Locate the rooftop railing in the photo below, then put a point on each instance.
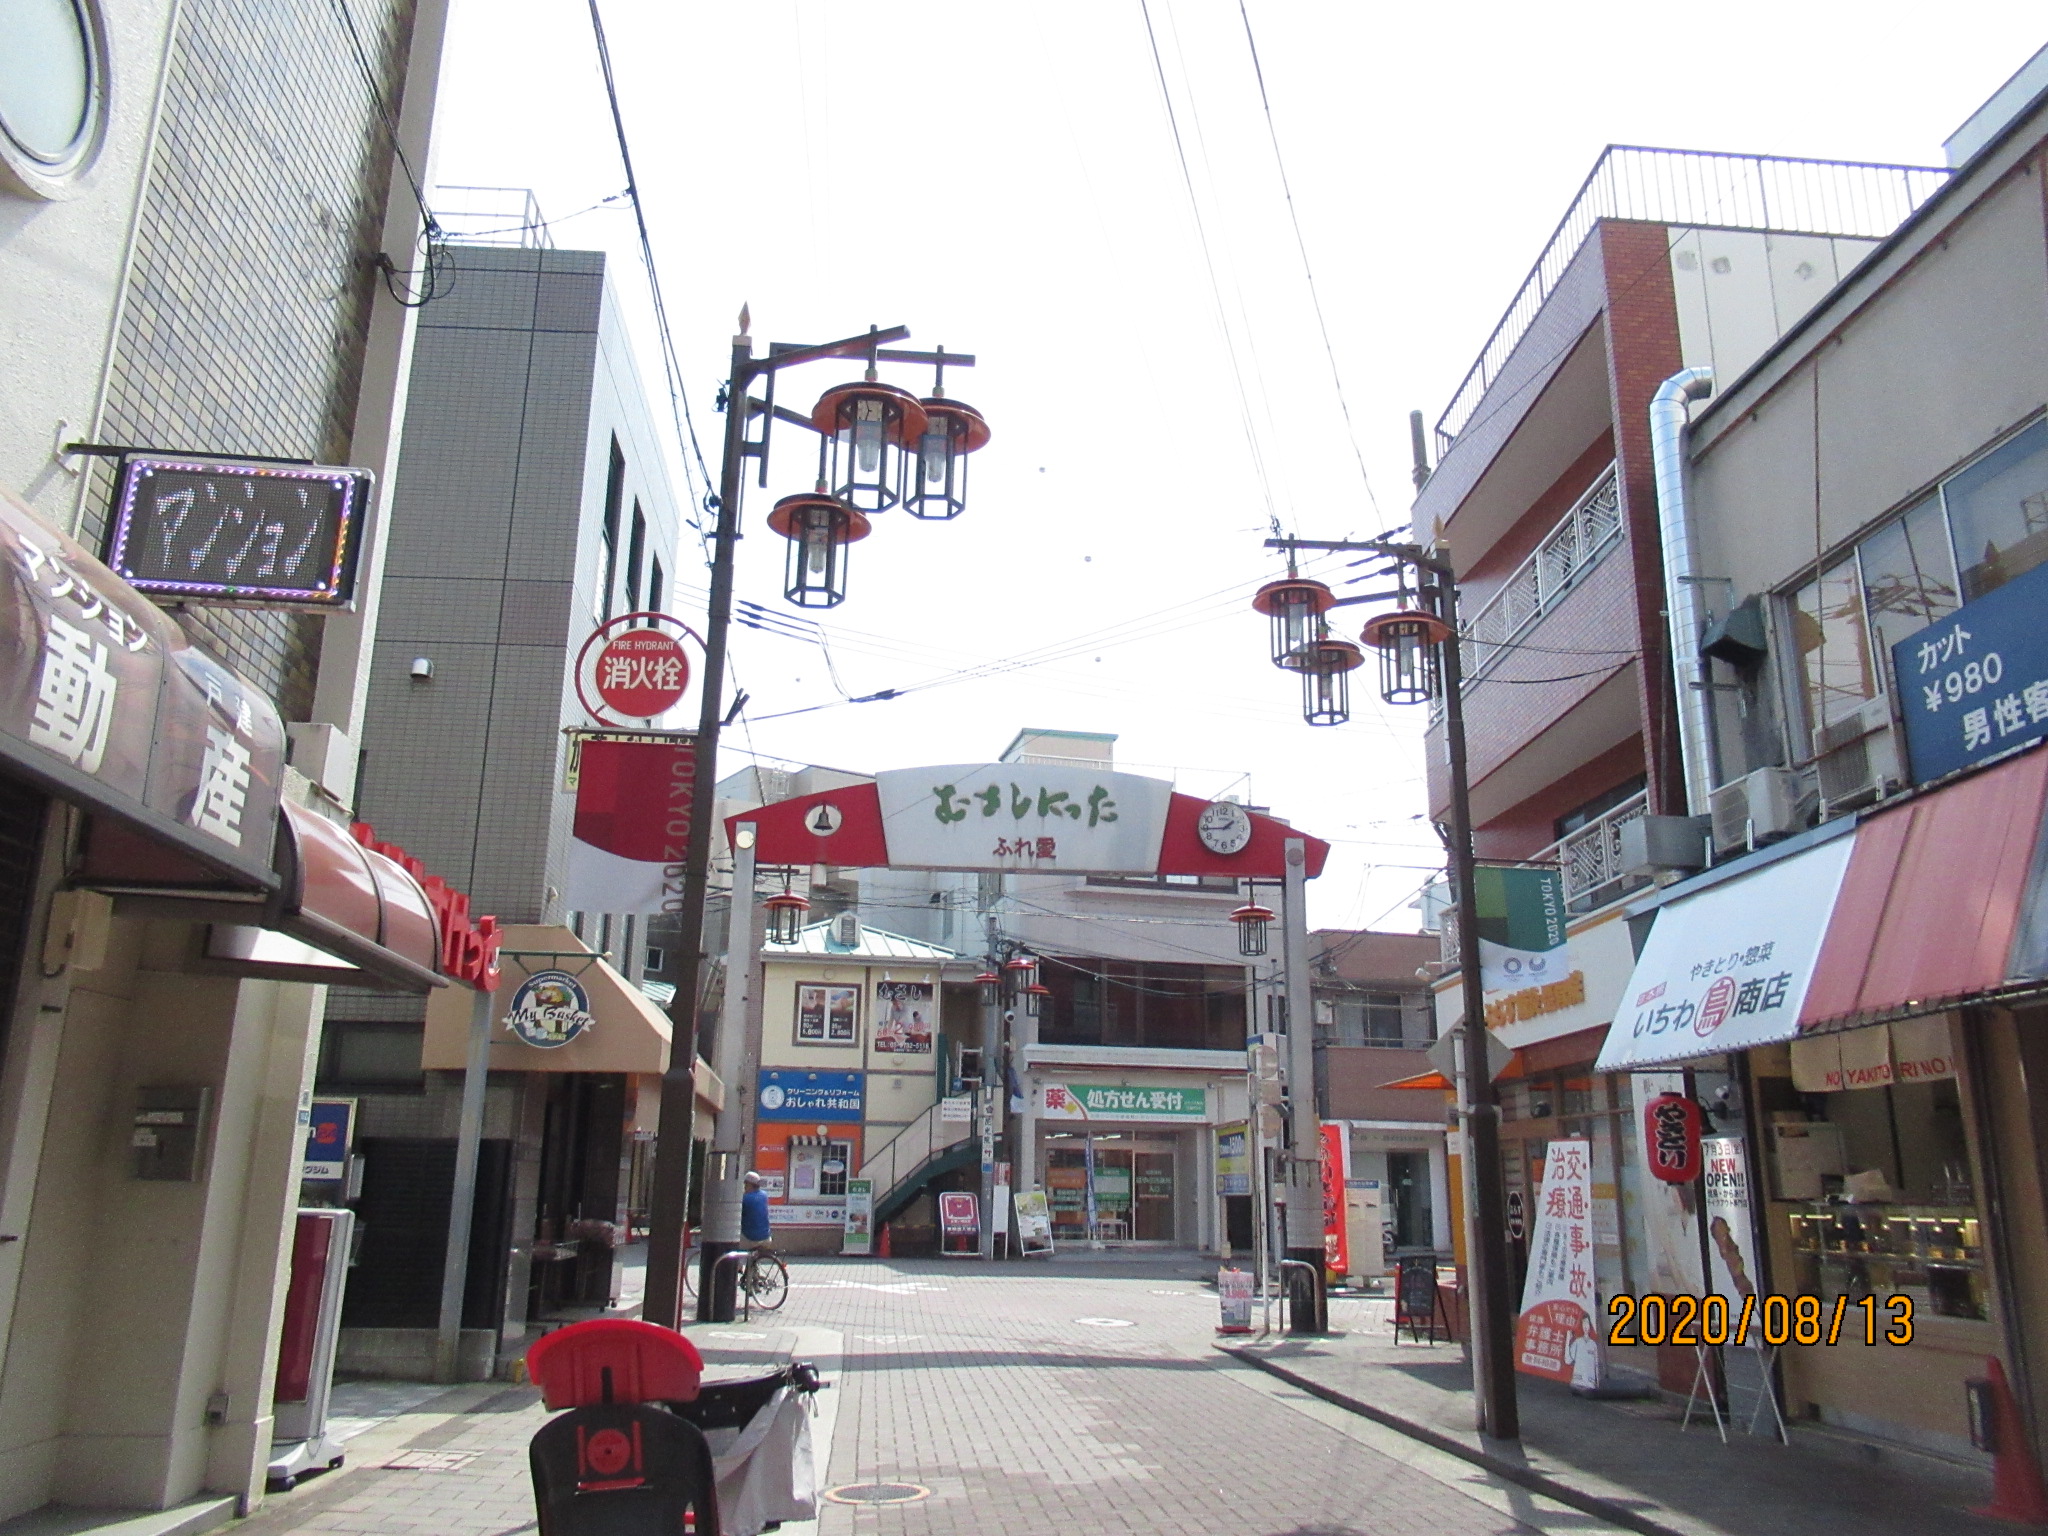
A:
(1698, 187)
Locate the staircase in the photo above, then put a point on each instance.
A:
(914, 1156)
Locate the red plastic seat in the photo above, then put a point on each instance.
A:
(614, 1360)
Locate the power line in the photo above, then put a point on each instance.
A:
(1301, 245)
(678, 396)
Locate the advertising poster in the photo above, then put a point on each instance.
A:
(1557, 1334)
(1336, 1162)
(959, 1214)
(860, 1218)
(1034, 1222)
(903, 1018)
(1731, 1246)
(327, 1140)
(827, 1015)
(1520, 925)
(1233, 1159)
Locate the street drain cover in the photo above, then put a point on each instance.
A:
(877, 1493)
(1106, 1322)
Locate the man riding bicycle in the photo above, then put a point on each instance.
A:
(755, 1227)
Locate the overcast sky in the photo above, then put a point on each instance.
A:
(1003, 179)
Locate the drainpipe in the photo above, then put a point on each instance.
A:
(1681, 588)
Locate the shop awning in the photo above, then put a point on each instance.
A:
(342, 914)
(556, 987)
(106, 704)
(1729, 968)
(1933, 900)
(1424, 1080)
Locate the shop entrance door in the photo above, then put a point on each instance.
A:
(1135, 1193)
(1155, 1196)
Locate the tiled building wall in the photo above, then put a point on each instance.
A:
(248, 298)
(489, 530)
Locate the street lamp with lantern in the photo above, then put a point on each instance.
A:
(1420, 661)
(868, 430)
(1326, 664)
(786, 912)
(1252, 922)
(1296, 607)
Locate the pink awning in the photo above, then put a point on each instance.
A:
(1932, 898)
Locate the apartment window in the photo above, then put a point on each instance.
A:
(1154, 1004)
(1370, 1018)
(371, 1055)
(657, 588)
(614, 503)
(1600, 805)
(636, 555)
(1981, 527)
(656, 958)
(1168, 882)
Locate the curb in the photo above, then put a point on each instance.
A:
(1534, 1481)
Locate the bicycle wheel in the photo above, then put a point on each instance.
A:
(767, 1281)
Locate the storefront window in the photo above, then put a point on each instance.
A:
(1132, 1179)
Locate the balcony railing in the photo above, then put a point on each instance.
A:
(1567, 552)
(1589, 859)
(1697, 187)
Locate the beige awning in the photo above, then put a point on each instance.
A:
(625, 1031)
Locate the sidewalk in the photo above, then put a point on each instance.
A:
(1622, 1461)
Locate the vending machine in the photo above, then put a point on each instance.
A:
(305, 1355)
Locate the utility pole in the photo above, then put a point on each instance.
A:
(1308, 1309)
(985, 1101)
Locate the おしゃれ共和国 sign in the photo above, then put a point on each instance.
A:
(819, 1096)
(549, 1010)
(1023, 816)
(1975, 684)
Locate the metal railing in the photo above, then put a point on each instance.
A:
(905, 1152)
(1568, 551)
(1855, 199)
(492, 216)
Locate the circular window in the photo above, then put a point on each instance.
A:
(51, 83)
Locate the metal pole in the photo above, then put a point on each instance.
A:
(469, 1137)
(669, 1201)
(1489, 1306)
(735, 1051)
(985, 1101)
(1308, 1307)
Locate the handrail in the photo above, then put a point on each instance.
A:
(888, 1164)
(1579, 541)
(1862, 200)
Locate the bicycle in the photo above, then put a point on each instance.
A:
(765, 1279)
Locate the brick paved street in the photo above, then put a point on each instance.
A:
(1027, 1401)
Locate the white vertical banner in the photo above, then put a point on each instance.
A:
(1557, 1334)
(1731, 1246)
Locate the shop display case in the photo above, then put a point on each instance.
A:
(1931, 1253)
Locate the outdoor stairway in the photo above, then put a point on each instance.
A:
(927, 1147)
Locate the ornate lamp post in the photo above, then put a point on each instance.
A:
(1296, 606)
(1326, 665)
(1420, 660)
(786, 912)
(866, 428)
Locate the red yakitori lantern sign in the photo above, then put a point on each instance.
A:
(1671, 1135)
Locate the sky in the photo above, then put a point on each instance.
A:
(1169, 372)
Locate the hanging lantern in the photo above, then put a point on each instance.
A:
(935, 473)
(786, 912)
(1296, 607)
(863, 427)
(1407, 640)
(1326, 666)
(1021, 971)
(991, 988)
(818, 528)
(1252, 921)
(1034, 999)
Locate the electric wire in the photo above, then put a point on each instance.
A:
(436, 269)
(1307, 270)
(678, 394)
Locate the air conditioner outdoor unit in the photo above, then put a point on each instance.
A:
(1859, 772)
(1755, 808)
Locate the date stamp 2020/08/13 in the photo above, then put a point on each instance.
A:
(1771, 1320)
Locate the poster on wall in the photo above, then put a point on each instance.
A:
(327, 1140)
(903, 1018)
(1336, 1165)
(1233, 1159)
(1731, 1246)
(827, 1015)
(1557, 1334)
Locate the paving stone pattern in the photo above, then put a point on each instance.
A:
(982, 1386)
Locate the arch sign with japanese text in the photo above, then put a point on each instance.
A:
(1024, 816)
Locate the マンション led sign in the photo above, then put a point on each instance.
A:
(238, 533)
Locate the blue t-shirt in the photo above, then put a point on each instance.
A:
(754, 1224)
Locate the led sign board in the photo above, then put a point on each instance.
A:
(239, 534)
